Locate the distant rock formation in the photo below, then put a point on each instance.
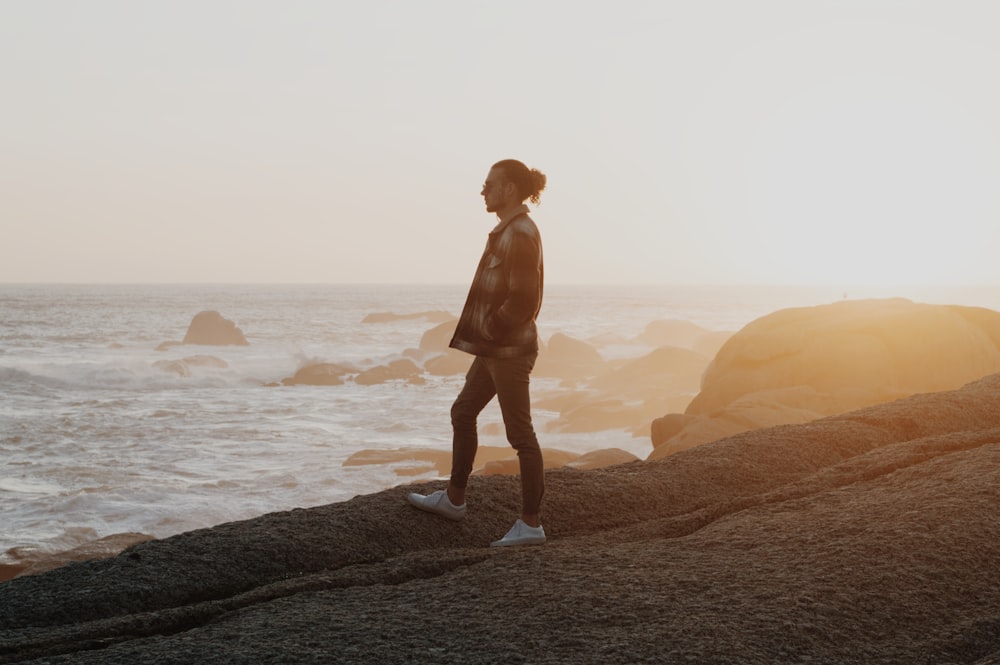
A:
(799, 364)
(209, 328)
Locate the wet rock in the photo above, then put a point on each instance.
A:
(319, 374)
(209, 328)
(402, 369)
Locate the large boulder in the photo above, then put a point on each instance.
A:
(799, 364)
(566, 357)
(209, 328)
(438, 337)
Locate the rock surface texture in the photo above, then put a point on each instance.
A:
(866, 537)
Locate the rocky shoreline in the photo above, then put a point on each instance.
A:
(864, 537)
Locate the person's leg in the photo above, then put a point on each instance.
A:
(511, 378)
(475, 395)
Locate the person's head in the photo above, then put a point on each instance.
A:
(511, 183)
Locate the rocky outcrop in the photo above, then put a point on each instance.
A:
(865, 537)
(800, 364)
(209, 328)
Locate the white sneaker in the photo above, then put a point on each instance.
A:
(522, 534)
(437, 503)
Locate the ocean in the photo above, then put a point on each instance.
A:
(98, 436)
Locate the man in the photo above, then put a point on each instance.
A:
(497, 326)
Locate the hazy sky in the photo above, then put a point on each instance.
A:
(685, 142)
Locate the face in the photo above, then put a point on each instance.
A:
(497, 191)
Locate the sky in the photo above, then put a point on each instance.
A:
(709, 142)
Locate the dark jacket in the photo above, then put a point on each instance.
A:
(498, 319)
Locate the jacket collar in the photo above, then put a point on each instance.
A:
(509, 217)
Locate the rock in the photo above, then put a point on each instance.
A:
(568, 358)
(672, 332)
(865, 537)
(449, 363)
(402, 369)
(598, 459)
(551, 458)
(100, 548)
(319, 374)
(628, 394)
(561, 401)
(596, 416)
(710, 343)
(438, 337)
(799, 364)
(668, 426)
(416, 355)
(666, 369)
(211, 329)
(439, 460)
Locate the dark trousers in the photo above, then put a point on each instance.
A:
(507, 379)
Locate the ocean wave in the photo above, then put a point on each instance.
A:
(11, 376)
(22, 486)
